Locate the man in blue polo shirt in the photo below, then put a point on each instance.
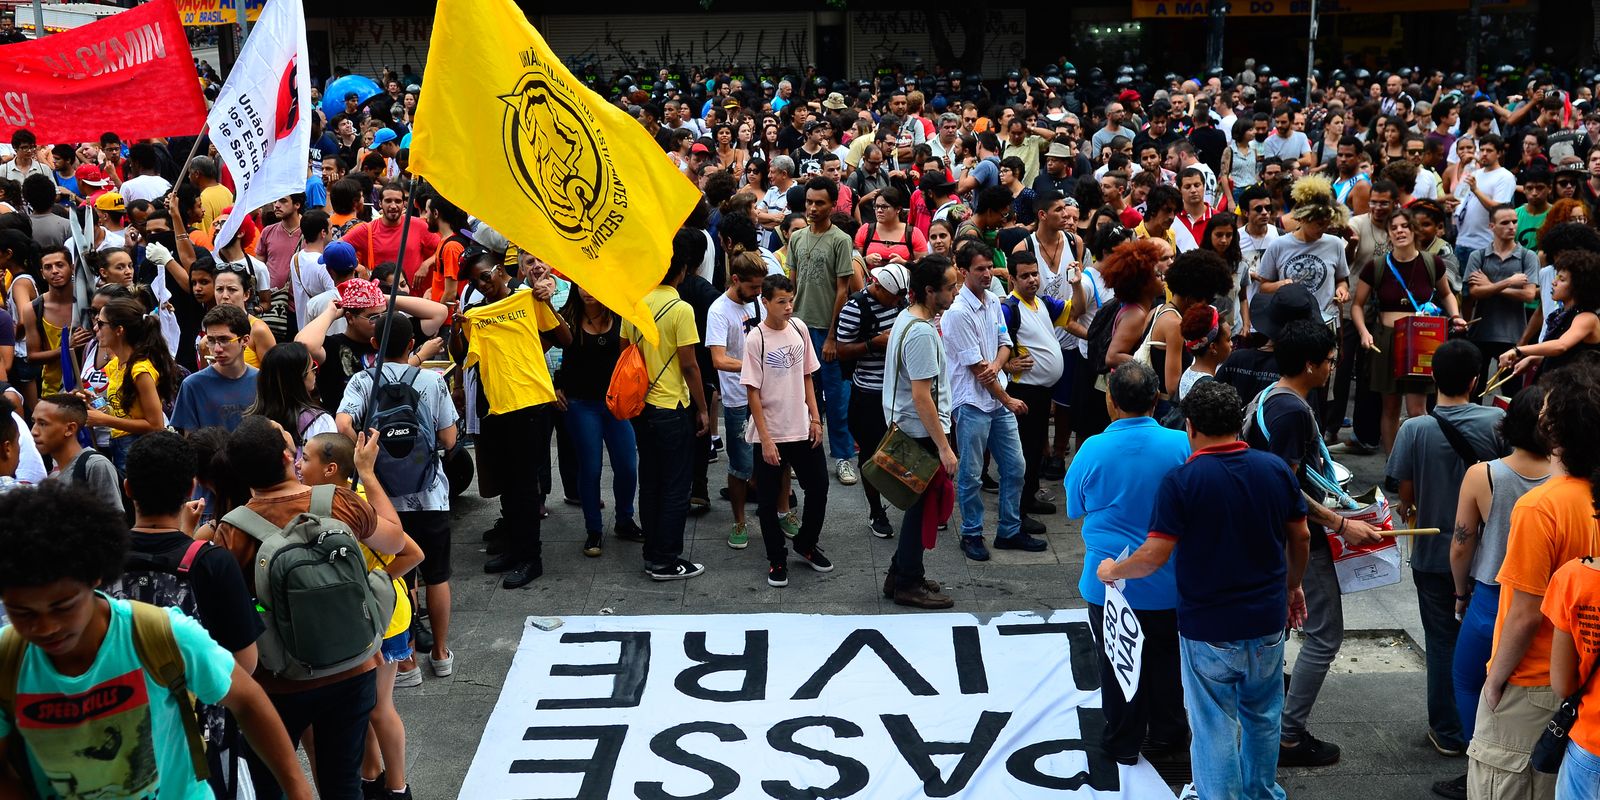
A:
(1110, 487)
(1236, 521)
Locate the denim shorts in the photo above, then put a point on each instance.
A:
(397, 648)
(741, 454)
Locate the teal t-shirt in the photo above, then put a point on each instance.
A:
(112, 731)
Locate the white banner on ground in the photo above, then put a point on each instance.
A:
(261, 122)
(784, 706)
(1124, 640)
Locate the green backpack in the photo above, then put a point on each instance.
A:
(324, 611)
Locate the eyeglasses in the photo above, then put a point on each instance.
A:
(98, 323)
(312, 367)
(368, 317)
(221, 341)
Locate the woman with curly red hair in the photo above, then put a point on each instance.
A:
(1136, 272)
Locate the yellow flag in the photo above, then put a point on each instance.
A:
(567, 176)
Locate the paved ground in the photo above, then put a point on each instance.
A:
(1374, 710)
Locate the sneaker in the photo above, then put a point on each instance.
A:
(408, 678)
(1353, 447)
(443, 667)
(738, 538)
(679, 570)
(699, 505)
(1036, 506)
(1453, 789)
(920, 597)
(989, 485)
(790, 523)
(1021, 541)
(716, 444)
(847, 472)
(591, 544)
(373, 789)
(396, 794)
(881, 528)
(1054, 468)
(778, 575)
(1031, 526)
(973, 548)
(629, 531)
(1308, 752)
(525, 573)
(817, 560)
(1445, 748)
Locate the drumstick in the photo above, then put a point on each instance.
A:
(1412, 532)
(1496, 384)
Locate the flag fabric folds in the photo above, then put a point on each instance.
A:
(261, 122)
(569, 177)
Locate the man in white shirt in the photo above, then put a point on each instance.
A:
(144, 182)
(725, 337)
(1037, 367)
(1257, 233)
(1286, 143)
(26, 162)
(1489, 186)
(308, 274)
(977, 347)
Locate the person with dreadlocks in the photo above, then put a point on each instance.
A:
(1310, 256)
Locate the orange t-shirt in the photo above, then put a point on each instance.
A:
(1573, 605)
(447, 266)
(1550, 525)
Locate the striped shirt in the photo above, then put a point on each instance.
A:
(869, 367)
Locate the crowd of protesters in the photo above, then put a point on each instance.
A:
(1163, 304)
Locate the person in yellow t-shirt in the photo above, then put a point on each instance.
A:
(333, 458)
(506, 337)
(665, 431)
(141, 377)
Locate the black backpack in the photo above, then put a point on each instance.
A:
(1100, 333)
(164, 582)
(407, 457)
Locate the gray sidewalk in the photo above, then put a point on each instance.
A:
(1372, 705)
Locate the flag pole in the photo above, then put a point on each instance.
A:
(194, 149)
(394, 289)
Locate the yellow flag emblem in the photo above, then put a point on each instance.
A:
(581, 183)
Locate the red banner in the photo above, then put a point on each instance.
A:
(130, 73)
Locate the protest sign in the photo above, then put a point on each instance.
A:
(1124, 640)
(797, 706)
(75, 85)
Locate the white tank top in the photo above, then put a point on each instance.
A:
(1053, 280)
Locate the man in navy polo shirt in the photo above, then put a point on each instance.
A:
(1108, 486)
(1236, 521)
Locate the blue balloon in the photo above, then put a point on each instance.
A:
(333, 96)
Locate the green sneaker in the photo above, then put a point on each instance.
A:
(790, 523)
(738, 539)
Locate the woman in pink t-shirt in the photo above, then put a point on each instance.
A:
(890, 240)
(778, 361)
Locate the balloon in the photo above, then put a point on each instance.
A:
(333, 96)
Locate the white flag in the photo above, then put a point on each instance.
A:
(261, 122)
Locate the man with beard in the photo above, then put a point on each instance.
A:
(378, 241)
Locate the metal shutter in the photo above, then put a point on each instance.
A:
(902, 37)
(368, 44)
(689, 40)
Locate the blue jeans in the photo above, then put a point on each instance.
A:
(741, 454)
(118, 449)
(834, 390)
(592, 427)
(665, 437)
(1437, 606)
(1580, 775)
(1473, 645)
(995, 431)
(1234, 691)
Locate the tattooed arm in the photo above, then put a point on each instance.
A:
(1469, 528)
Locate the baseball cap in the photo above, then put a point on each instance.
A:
(893, 278)
(339, 257)
(814, 124)
(109, 201)
(90, 175)
(348, 96)
(1127, 96)
(357, 293)
(383, 136)
(699, 148)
